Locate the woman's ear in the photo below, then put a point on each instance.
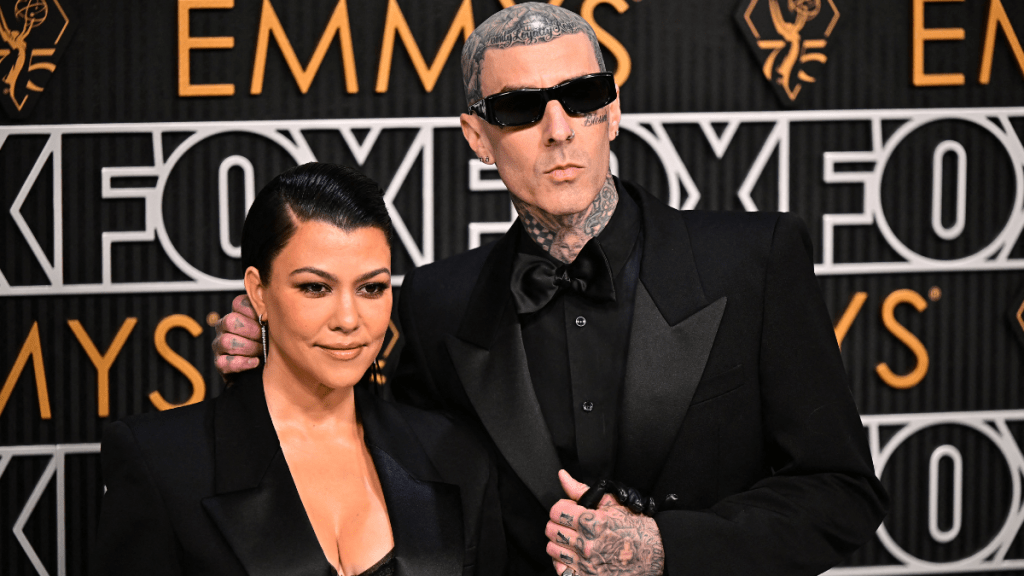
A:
(254, 288)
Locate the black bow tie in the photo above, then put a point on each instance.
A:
(536, 280)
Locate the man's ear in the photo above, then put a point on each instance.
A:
(254, 288)
(473, 129)
(614, 116)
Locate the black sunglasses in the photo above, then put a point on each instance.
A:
(526, 106)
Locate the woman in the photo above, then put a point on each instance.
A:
(300, 468)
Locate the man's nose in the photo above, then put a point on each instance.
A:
(556, 124)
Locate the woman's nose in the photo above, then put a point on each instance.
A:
(346, 315)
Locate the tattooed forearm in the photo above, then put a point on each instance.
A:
(620, 543)
(520, 25)
(594, 118)
(564, 236)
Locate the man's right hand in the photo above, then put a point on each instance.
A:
(238, 342)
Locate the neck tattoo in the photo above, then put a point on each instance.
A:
(564, 236)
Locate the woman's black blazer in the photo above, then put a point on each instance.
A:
(205, 489)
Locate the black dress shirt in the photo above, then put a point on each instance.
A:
(576, 351)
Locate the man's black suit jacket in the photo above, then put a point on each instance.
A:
(735, 397)
(205, 489)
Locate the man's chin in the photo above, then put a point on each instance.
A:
(566, 202)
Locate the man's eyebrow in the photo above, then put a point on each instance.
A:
(325, 275)
(510, 88)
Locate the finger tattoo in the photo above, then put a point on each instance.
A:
(568, 572)
(561, 538)
(566, 559)
(565, 518)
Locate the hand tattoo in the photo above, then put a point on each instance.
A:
(564, 236)
(562, 539)
(621, 543)
(520, 25)
(565, 518)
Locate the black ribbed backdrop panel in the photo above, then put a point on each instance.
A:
(120, 66)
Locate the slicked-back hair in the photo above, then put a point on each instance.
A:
(321, 192)
(520, 25)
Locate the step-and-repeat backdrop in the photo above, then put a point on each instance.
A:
(135, 135)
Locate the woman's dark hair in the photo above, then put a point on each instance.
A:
(316, 191)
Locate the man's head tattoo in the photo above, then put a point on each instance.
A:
(520, 25)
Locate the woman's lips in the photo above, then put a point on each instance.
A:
(343, 352)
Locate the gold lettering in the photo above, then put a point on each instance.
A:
(270, 24)
(103, 362)
(175, 360)
(997, 18)
(624, 64)
(914, 377)
(187, 43)
(852, 310)
(395, 23)
(32, 347)
(922, 35)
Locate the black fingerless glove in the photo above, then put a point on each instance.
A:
(627, 497)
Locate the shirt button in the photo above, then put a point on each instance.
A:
(588, 406)
(581, 321)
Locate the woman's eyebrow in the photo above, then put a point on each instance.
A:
(326, 275)
(373, 273)
(332, 278)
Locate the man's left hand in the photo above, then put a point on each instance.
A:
(609, 541)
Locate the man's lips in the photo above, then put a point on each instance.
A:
(565, 172)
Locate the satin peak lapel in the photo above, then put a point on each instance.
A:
(426, 520)
(664, 366)
(257, 507)
(497, 381)
(425, 511)
(267, 527)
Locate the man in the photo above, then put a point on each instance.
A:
(688, 356)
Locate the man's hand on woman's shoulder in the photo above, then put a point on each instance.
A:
(238, 344)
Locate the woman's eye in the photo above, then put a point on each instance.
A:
(315, 288)
(375, 289)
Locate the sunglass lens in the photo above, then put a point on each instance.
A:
(518, 108)
(588, 94)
